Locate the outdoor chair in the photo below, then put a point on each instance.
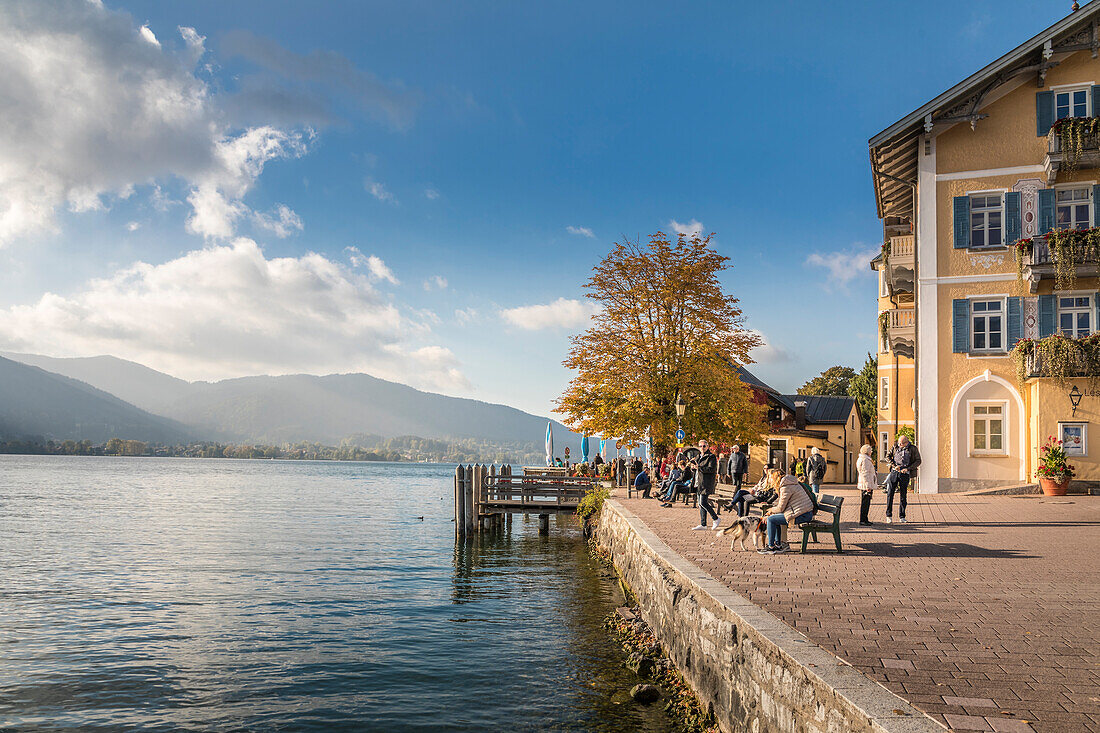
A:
(831, 506)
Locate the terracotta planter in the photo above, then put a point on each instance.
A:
(1054, 488)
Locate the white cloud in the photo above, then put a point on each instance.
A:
(95, 105)
(840, 268)
(230, 311)
(148, 36)
(282, 221)
(431, 194)
(465, 316)
(379, 191)
(691, 229)
(562, 313)
(438, 282)
(380, 271)
(582, 231)
(768, 352)
(133, 226)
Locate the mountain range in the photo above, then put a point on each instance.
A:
(277, 409)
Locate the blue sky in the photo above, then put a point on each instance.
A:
(377, 186)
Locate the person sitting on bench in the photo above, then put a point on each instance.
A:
(642, 483)
(794, 507)
(679, 482)
(767, 486)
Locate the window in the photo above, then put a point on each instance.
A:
(1074, 210)
(885, 444)
(883, 292)
(987, 429)
(884, 399)
(1071, 103)
(986, 326)
(1074, 437)
(1075, 316)
(985, 220)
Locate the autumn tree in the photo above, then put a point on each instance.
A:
(864, 387)
(833, 381)
(665, 327)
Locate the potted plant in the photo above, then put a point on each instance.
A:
(1054, 471)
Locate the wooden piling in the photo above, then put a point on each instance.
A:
(544, 524)
(468, 500)
(460, 502)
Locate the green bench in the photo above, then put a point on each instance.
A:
(827, 504)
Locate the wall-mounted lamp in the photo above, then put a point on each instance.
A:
(1075, 398)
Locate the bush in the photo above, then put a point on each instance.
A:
(592, 503)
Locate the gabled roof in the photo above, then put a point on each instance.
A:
(894, 151)
(825, 409)
(750, 379)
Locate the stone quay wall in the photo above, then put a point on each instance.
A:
(755, 672)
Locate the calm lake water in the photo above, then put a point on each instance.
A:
(187, 594)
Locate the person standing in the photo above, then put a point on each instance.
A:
(738, 467)
(868, 480)
(904, 459)
(706, 474)
(815, 470)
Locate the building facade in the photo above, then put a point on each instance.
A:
(979, 192)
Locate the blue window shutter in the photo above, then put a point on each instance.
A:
(1096, 101)
(961, 319)
(962, 222)
(1046, 316)
(1044, 112)
(1046, 210)
(1095, 313)
(1096, 206)
(1015, 322)
(1012, 217)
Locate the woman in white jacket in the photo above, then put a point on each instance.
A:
(868, 480)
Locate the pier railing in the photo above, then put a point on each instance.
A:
(485, 495)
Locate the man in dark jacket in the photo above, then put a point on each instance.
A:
(815, 470)
(738, 467)
(904, 459)
(706, 475)
(643, 483)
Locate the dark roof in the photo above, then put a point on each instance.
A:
(750, 379)
(825, 410)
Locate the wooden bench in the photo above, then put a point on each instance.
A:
(830, 505)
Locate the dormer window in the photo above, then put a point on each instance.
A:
(1071, 103)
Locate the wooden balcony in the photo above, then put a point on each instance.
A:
(901, 329)
(901, 264)
(1058, 160)
(1040, 263)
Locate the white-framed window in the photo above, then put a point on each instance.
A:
(883, 291)
(1074, 437)
(884, 446)
(1075, 315)
(986, 220)
(1074, 207)
(884, 393)
(987, 428)
(987, 325)
(1071, 103)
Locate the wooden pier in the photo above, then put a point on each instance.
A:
(486, 495)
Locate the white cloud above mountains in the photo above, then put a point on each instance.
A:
(228, 311)
(95, 105)
(562, 313)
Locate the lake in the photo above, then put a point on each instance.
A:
(190, 594)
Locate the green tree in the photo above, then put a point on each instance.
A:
(833, 381)
(664, 327)
(864, 387)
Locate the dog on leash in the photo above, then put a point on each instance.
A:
(741, 529)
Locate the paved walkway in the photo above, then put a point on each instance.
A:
(983, 611)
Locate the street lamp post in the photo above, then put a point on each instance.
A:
(681, 408)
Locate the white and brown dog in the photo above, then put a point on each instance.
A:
(742, 528)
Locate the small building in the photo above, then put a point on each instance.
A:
(799, 423)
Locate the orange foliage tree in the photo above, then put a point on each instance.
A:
(665, 328)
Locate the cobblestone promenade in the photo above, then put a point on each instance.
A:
(984, 611)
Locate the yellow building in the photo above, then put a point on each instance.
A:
(992, 164)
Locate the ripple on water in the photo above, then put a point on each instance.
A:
(195, 594)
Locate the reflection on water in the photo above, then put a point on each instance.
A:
(191, 594)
